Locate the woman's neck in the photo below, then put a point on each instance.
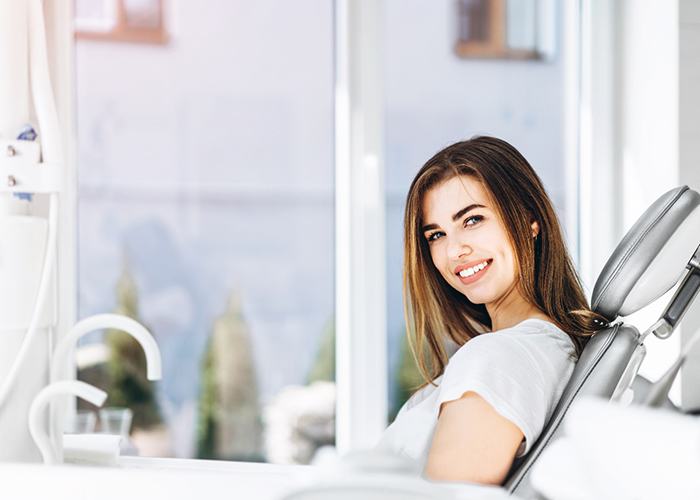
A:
(511, 311)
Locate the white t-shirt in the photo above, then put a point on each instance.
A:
(521, 371)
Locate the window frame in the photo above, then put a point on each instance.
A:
(361, 328)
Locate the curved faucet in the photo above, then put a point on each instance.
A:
(101, 322)
(65, 346)
(52, 451)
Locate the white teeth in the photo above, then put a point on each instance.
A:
(464, 273)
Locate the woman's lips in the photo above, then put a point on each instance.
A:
(476, 276)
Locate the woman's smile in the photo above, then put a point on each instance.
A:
(468, 274)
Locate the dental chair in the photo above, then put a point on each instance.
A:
(660, 250)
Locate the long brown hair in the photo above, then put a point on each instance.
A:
(434, 310)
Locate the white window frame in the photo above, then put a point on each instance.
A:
(597, 113)
(361, 331)
(58, 21)
(58, 17)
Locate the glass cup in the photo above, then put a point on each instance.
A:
(83, 422)
(116, 421)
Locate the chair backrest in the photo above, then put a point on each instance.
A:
(597, 372)
(649, 261)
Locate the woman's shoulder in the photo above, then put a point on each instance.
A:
(544, 333)
(536, 336)
(538, 330)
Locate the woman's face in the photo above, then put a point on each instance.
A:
(468, 241)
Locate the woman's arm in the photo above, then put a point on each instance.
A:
(472, 442)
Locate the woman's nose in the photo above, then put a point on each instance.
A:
(457, 248)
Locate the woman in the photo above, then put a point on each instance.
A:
(486, 267)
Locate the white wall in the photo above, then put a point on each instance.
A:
(689, 167)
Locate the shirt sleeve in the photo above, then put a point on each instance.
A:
(505, 371)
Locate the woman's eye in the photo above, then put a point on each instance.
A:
(434, 236)
(475, 218)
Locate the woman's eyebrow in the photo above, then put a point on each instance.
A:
(456, 216)
(465, 210)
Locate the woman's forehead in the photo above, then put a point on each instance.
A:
(455, 193)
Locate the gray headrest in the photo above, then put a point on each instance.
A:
(652, 256)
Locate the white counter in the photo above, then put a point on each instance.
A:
(173, 479)
(148, 478)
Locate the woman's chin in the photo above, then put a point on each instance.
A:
(478, 294)
(475, 297)
(475, 292)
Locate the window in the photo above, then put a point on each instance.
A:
(206, 212)
(139, 21)
(505, 29)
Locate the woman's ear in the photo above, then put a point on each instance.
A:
(535, 229)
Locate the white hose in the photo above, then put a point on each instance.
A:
(47, 269)
(44, 104)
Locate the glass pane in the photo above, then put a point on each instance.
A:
(206, 213)
(475, 20)
(521, 24)
(434, 98)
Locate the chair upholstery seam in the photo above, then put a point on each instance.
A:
(634, 246)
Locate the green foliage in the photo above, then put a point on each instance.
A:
(206, 423)
(229, 425)
(408, 378)
(126, 369)
(324, 365)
